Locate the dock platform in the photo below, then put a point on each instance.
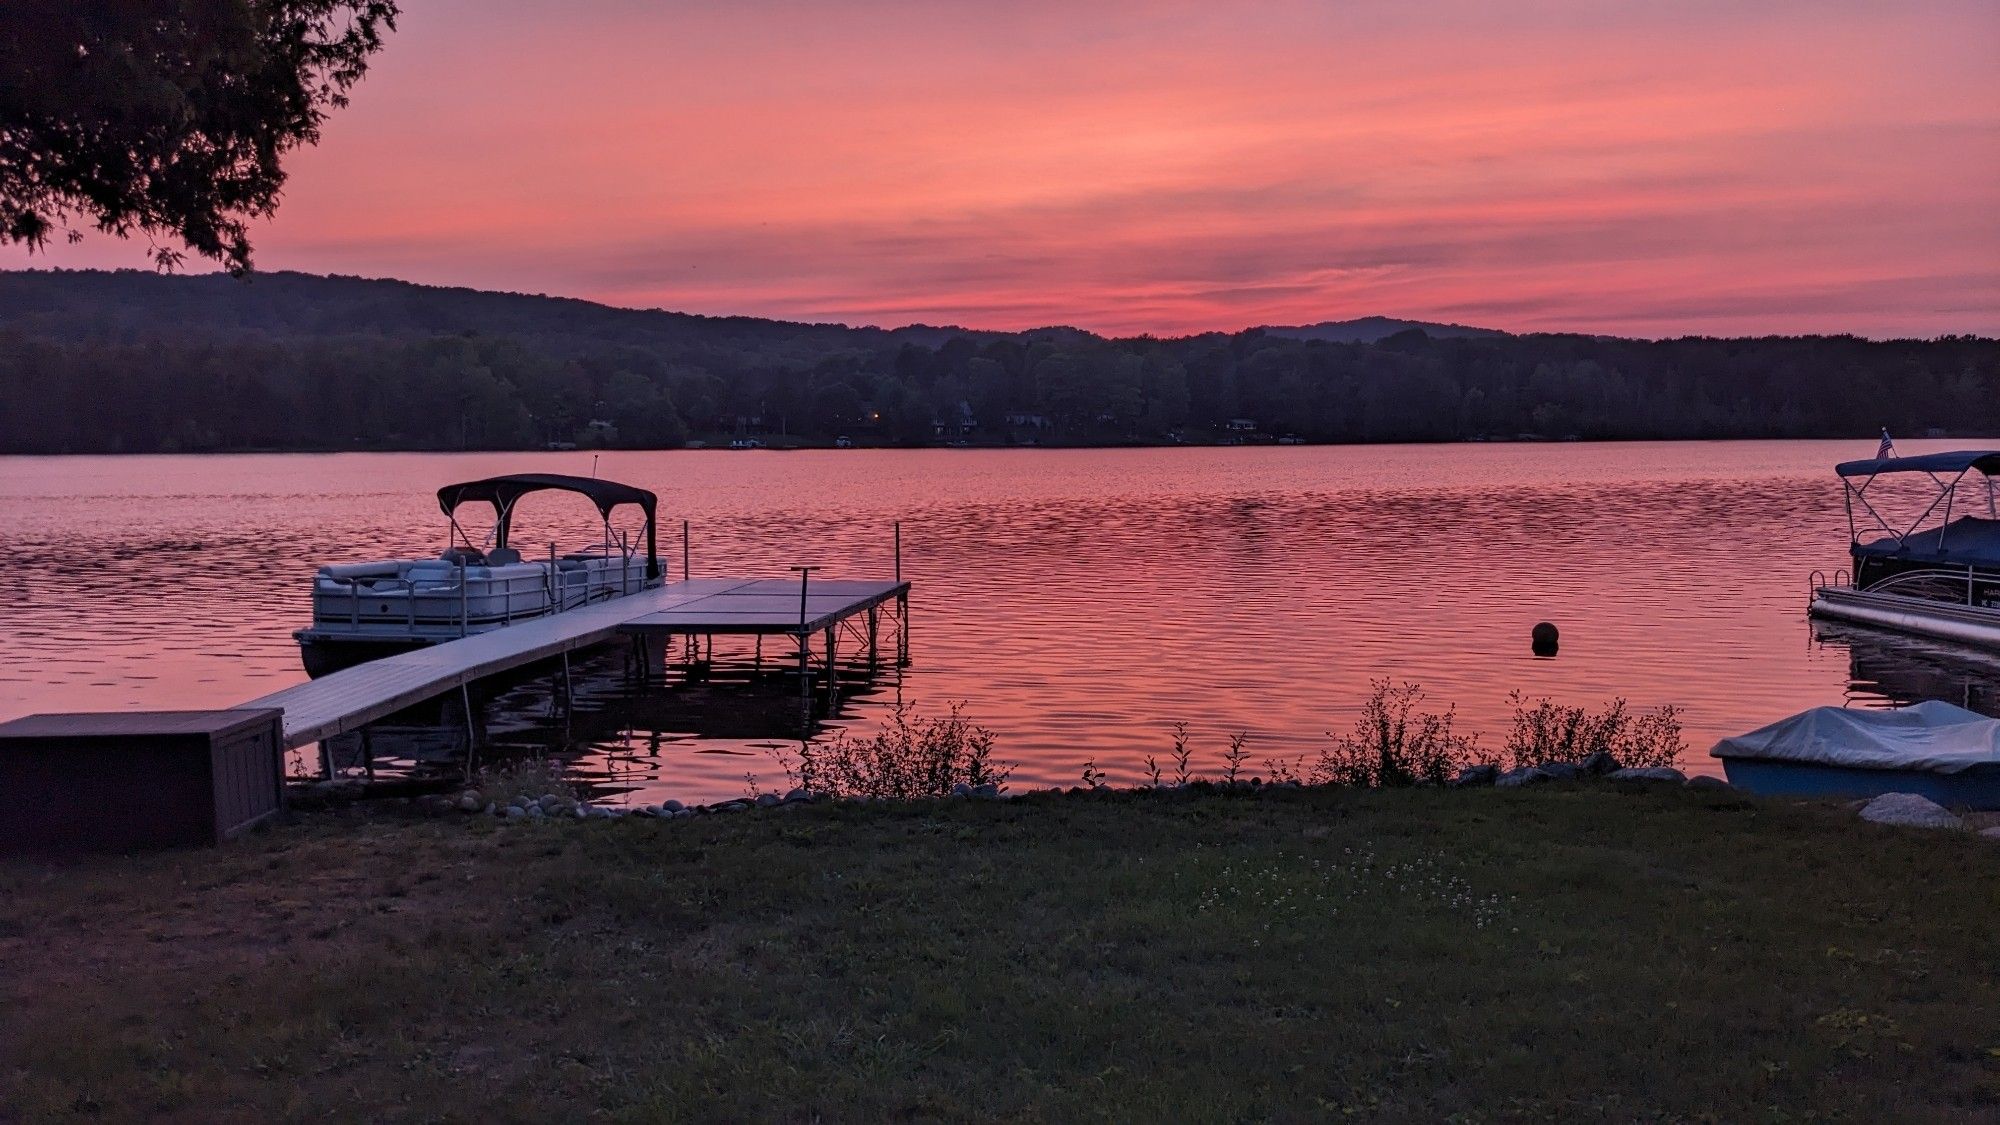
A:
(354, 697)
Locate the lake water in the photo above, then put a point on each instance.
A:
(1078, 602)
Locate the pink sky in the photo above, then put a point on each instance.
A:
(1607, 166)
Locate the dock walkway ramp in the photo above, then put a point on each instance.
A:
(350, 699)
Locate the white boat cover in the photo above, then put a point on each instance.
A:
(1932, 736)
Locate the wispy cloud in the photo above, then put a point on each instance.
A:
(1695, 167)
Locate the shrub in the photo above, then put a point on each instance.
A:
(910, 757)
(1546, 731)
(529, 777)
(1393, 743)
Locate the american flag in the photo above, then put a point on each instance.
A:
(1887, 449)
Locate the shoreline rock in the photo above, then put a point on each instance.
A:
(1910, 810)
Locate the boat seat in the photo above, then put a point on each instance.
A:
(470, 556)
(502, 556)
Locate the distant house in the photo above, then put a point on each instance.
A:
(957, 420)
(1028, 421)
(1242, 425)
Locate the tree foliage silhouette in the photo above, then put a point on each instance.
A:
(168, 118)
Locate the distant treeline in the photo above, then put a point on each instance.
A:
(136, 362)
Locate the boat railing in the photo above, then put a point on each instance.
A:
(427, 602)
(1817, 580)
(1938, 578)
(423, 599)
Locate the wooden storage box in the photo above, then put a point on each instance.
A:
(144, 779)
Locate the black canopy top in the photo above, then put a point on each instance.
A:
(1985, 460)
(501, 492)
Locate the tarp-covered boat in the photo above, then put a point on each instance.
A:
(1934, 749)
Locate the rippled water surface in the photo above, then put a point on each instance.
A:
(1079, 602)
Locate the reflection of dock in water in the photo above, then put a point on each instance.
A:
(1887, 669)
(616, 718)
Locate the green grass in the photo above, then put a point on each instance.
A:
(1555, 953)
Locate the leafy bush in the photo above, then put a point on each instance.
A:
(910, 757)
(1547, 731)
(1393, 743)
(528, 777)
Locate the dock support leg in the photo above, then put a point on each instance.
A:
(326, 759)
(471, 741)
(568, 689)
(367, 754)
(465, 700)
(874, 616)
(805, 684)
(903, 630)
(832, 675)
(758, 666)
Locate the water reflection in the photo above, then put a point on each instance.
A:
(624, 730)
(1888, 669)
(1080, 602)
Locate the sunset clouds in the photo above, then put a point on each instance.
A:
(1610, 167)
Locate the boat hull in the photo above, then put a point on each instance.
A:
(1977, 788)
(1967, 624)
(323, 656)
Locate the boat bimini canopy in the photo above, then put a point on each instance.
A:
(1966, 540)
(502, 492)
(1958, 463)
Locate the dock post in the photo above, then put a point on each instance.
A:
(569, 693)
(805, 683)
(899, 550)
(805, 653)
(903, 629)
(464, 598)
(874, 619)
(685, 572)
(832, 673)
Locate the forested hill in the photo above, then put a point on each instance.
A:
(135, 361)
(131, 306)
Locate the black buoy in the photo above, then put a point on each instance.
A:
(1545, 639)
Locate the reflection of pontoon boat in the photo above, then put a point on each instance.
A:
(1888, 669)
(1939, 576)
(366, 610)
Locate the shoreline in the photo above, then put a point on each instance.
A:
(828, 447)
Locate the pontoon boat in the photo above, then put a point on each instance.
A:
(1939, 575)
(362, 611)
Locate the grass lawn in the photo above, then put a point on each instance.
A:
(1558, 952)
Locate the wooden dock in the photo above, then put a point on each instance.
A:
(352, 698)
